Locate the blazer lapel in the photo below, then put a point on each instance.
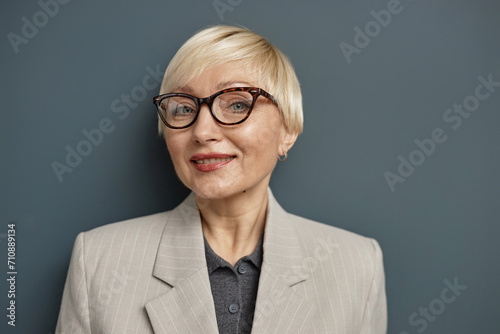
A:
(188, 307)
(279, 309)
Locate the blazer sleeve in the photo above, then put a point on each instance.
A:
(74, 314)
(375, 314)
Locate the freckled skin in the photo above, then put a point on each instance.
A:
(256, 142)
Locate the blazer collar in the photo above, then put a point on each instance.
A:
(181, 263)
(182, 251)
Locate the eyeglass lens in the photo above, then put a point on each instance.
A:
(229, 107)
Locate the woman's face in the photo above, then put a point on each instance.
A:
(245, 154)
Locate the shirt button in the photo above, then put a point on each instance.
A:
(233, 308)
(242, 269)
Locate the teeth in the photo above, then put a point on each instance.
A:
(213, 160)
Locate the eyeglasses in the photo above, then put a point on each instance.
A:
(228, 107)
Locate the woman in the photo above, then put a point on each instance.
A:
(228, 259)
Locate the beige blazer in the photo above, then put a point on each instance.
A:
(149, 275)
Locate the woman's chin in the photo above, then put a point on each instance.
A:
(213, 191)
(218, 192)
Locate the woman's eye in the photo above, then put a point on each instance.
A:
(184, 110)
(239, 106)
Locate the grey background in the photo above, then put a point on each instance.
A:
(441, 223)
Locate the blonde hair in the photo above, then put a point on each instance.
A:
(220, 44)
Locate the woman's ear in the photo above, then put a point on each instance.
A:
(287, 141)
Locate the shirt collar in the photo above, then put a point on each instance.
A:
(214, 261)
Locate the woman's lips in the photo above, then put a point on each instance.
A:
(207, 162)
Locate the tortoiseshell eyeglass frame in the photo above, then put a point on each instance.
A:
(254, 91)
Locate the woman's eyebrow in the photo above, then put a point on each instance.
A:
(184, 89)
(231, 83)
(221, 85)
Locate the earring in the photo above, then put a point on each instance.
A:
(282, 157)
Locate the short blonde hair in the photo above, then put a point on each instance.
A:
(220, 44)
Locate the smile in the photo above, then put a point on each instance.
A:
(208, 162)
(213, 160)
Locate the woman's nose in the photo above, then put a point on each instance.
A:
(206, 128)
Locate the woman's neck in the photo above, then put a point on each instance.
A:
(233, 225)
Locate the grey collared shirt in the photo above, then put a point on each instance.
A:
(234, 289)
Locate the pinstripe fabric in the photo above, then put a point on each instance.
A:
(149, 275)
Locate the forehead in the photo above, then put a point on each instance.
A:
(219, 77)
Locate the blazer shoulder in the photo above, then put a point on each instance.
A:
(110, 250)
(311, 231)
(132, 225)
(139, 233)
